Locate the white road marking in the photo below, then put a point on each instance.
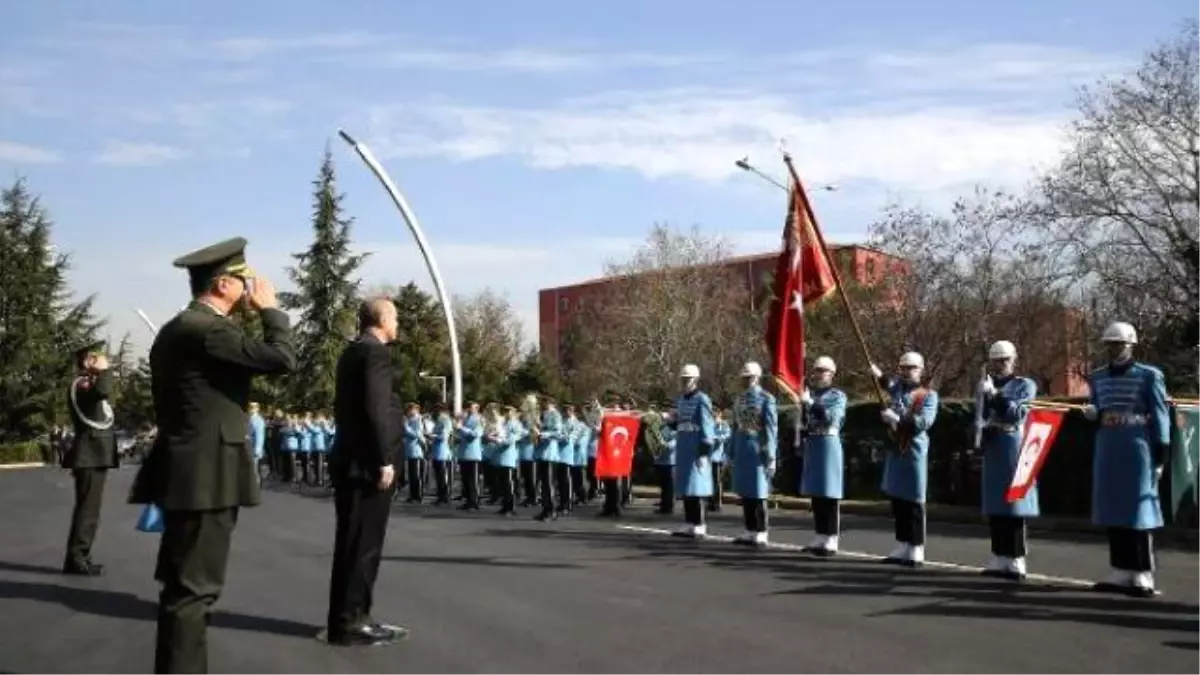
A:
(1044, 578)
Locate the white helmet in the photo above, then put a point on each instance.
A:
(1002, 350)
(751, 369)
(912, 359)
(1119, 331)
(690, 370)
(825, 363)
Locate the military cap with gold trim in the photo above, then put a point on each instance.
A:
(227, 258)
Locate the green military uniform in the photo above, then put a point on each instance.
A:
(201, 468)
(93, 452)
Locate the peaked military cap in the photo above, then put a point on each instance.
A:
(225, 258)
(93, 347)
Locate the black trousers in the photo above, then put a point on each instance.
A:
(85, 518)
(910, 522)
(1008, 536)
(528, 470)
(441, 479)
(362, 515)
(693, 510)
(470, 482)
(718, 498)
(562, 480)
(507, 489)
(193, 555)
(488, 471)
(626, 490)
(754, 511)
(1131, 550)
(827, 516)
(666, 487)
(578, 486)
(545, 480)
(612, 497)
(416, 479)
(593, 484)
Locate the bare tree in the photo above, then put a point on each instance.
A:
(489, 337)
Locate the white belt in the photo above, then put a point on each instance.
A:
(821, 432)
(1005, 428)
(1116, 419)
(687, 427)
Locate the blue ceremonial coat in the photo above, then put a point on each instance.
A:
(583, 444)
(667, 456)
(319, 437)
(525, 444)
(823, 458)
(721, 436)
(413, 430)
(470, 440)
(593, 442)
(755, 443)
(291, 438)
(305, 432)
(258, 435)
(566, 446)
(441, 439)
(1004, 422)
(507, 456)
(1133, 415)
(551, 431)
(906, 475)
(695, 432)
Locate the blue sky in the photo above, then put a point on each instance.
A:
(535, 139)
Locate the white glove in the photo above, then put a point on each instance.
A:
(1090, 413)
(770, 470)
(876, 372)
(806, 397)
(986, 386)
(890, 418)
(1158, 475)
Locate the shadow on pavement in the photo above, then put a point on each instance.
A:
(6, 566)
(480, 561)
(118, 605)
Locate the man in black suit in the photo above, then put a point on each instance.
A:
(201, 469)
(93, 452)
(362, 465)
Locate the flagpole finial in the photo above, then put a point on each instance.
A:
(783, 146)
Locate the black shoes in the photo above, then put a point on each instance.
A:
(368, 634)
(86, 568)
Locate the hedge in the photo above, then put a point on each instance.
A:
(1065, 482)
(23, 452)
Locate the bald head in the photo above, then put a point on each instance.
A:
(378, 316)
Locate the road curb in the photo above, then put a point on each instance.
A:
(23, 465)
(944, 513)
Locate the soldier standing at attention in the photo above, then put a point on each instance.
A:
(821, 478)
(693, 427)
(755, 453)
(200, 470)
(92, 453)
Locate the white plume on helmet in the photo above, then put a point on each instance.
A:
(1002, 349)
(1119, 331)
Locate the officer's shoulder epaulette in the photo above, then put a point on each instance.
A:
(1154, 371)
(1099, 370)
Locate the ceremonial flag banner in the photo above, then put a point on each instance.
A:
(802, 276)
(614, 453)
(1185, 457)
(1041, 427)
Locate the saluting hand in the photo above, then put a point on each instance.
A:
(387, 476)
(262, 294)
(100, 362)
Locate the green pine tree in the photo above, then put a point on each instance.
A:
(326, 295)
(422, 346)
(40, 323)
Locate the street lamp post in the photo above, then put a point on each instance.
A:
(745, 165)
(441, 378)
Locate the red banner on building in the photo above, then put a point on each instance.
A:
(618, 438)
(1041, 428)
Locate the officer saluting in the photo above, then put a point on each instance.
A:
(200, 469)
(93, 452)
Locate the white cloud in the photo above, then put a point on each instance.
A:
(124, 153)
(697, 135)
(21, 153)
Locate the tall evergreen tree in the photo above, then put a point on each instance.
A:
(326, 294)
(40, 323)
(422, 345)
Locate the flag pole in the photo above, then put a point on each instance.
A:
(837, 276)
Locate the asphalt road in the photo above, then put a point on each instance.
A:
(483, 594)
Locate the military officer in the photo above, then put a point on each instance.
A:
(92, 453)
(821, 479)
(566, 461)
(506, 460)
(438, 442)
(695, 429)
(754, 453)
(414, 453)
(550, 431)
(664, 463)
(1006, 399)
(912, 411)
(200, 470)
(1129, 399)
(719, 459)
(470, 454)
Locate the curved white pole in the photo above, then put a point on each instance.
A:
(411, 219)
(149, 323)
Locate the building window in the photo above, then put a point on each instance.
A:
(564, 304)
(579, 305)
(870, 265)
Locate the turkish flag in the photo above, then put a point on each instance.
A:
(802, 276)
(1041, 427)
(614, 453)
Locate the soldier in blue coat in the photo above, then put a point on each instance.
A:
(754, 453)
(525, 451)
(440, 453)
(694, 437)
(721, 435)
(664, 463)
(593, 418)
(506, 461)
(470, 454)
(821, 479)
(579, 468)
(1129, 399)
(912, 412)
(1005, 402)
(414, 453)
(566, 461)
(546, 453)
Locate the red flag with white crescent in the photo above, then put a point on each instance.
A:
(1041, 428)
(614, 452)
